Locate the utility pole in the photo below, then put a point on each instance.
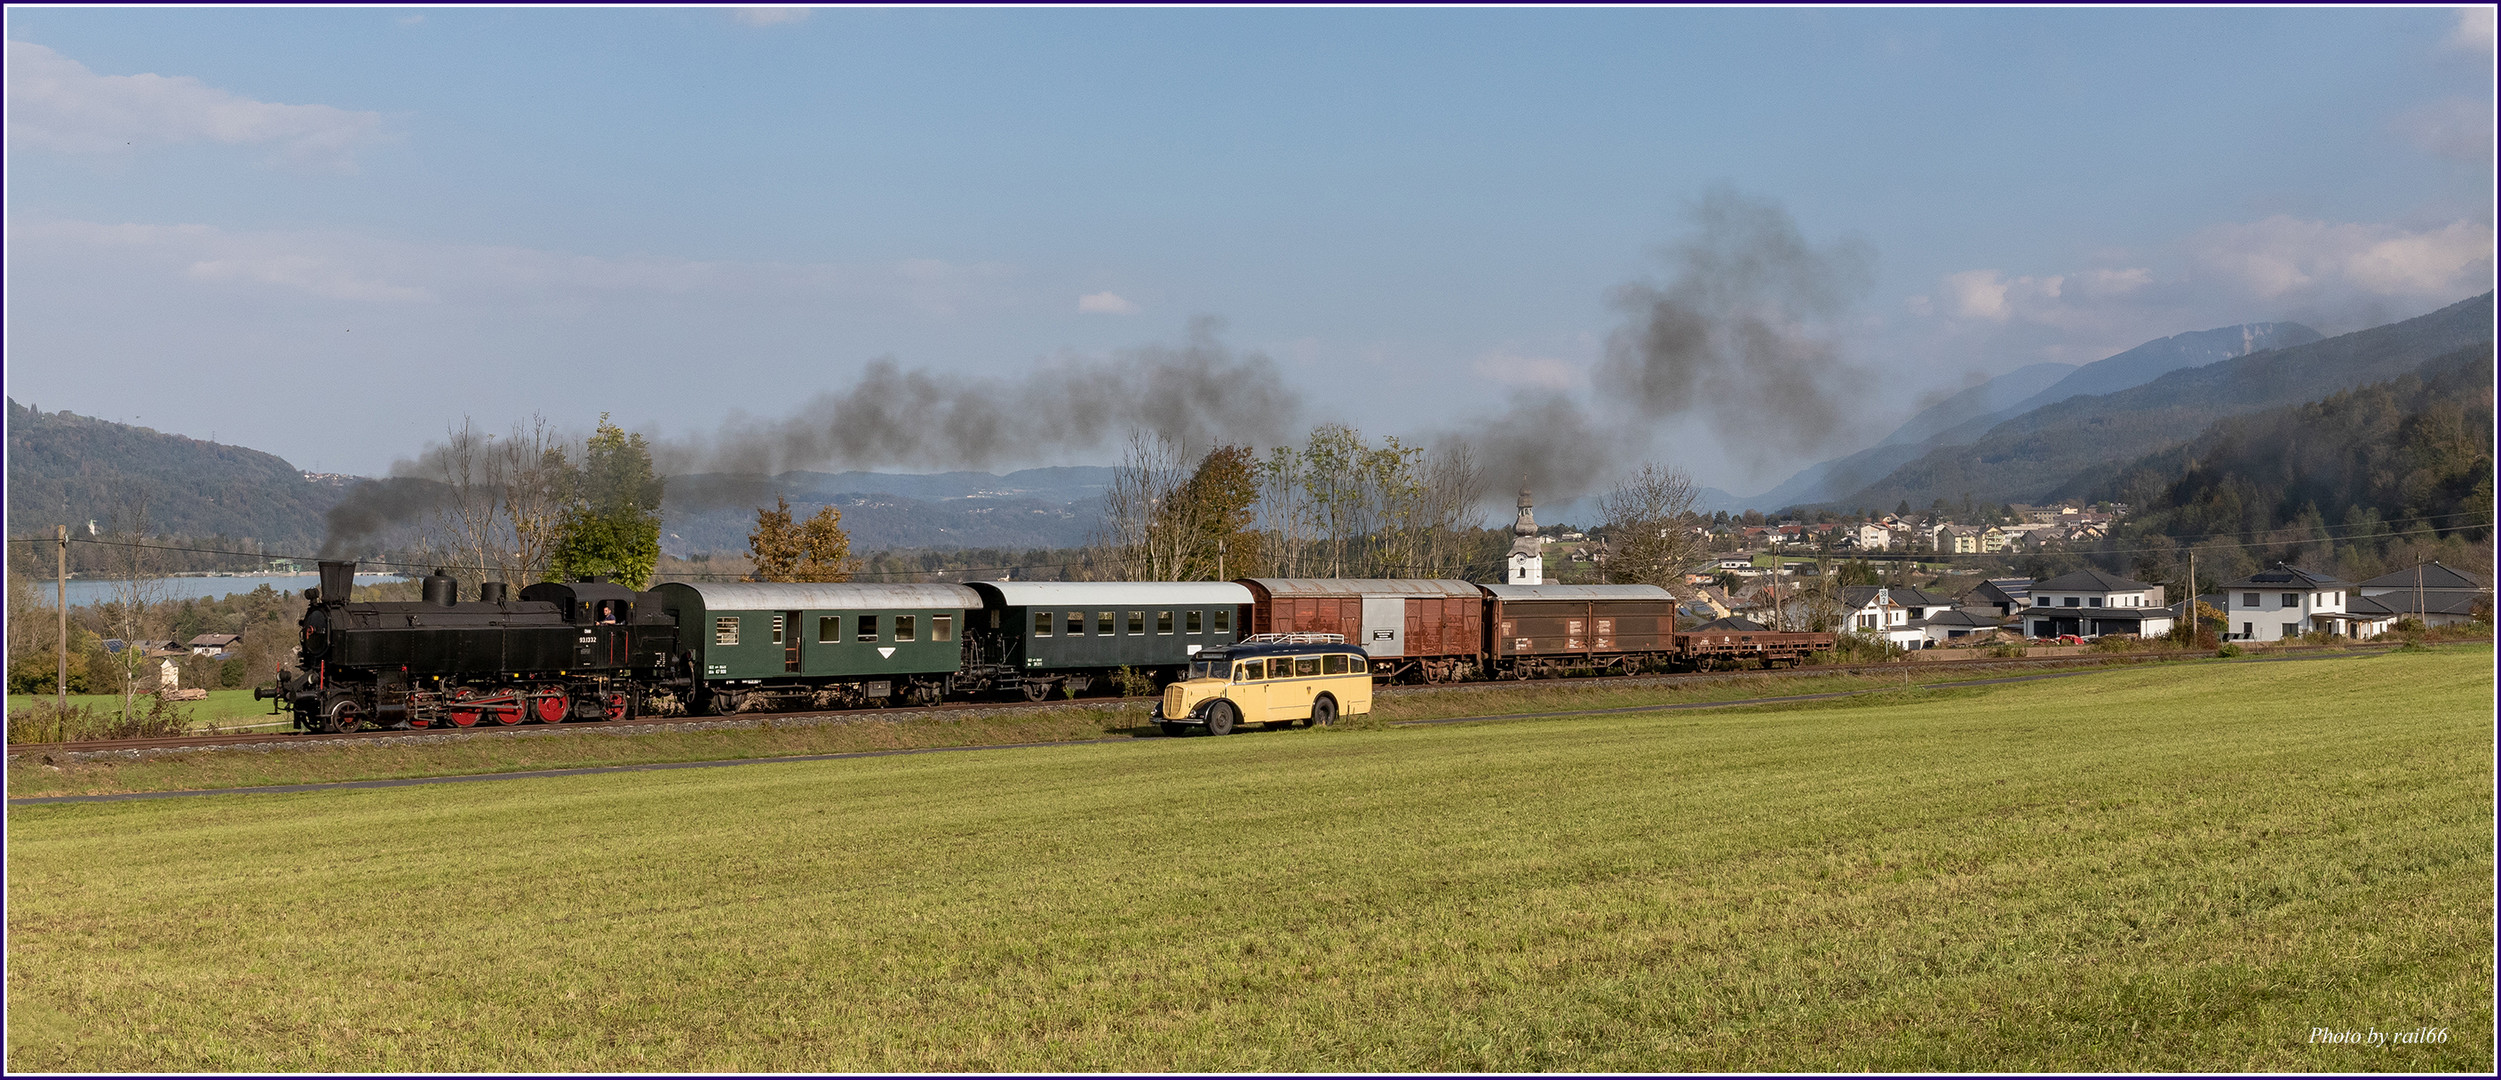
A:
(2191, 609)
(60, 601)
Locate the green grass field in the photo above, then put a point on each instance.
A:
(2171, 868)
(224, 708)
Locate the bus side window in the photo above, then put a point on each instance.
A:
(1333, 664)
(1244, 672)
(1306, 665)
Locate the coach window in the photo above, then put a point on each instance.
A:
(942, 628)
(1076, 624)
(1103, 624)
(1190, 622)
(725, 630)
(1163, 622)
(1137, 622)
(1224, 620)
(1041, 624)
(777, 629)
(829, 630)
(868, 627)
(905, 627)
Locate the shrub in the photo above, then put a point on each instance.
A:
(44, 722)
(1133, 683)
(2227, 650)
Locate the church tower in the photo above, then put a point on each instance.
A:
(1527, 561)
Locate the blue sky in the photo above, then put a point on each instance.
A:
(330, 233)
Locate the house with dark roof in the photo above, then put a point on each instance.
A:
(212, 644)
(1894, 613)
(2089, 603)
(2431, 593)
(1954, 624)
(2287, 602)
(1733, 623)
(2005, 596)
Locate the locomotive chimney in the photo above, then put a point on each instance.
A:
(440, 589)
(492, 592)
(337, 580)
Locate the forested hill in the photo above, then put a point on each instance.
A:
(2030, 456)
(2406, 460)
(67, 469)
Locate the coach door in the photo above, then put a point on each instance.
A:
(786, 634)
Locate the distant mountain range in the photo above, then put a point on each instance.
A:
(2049, 427)
(1032, 508)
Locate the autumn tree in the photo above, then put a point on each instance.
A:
(611, 526)
(813, 550)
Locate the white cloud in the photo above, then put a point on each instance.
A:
(349, 267)
(769, 16)
(2284, 256)
(1544, 372)
(56, 103)
(2457, 127)
(2474, 31)
(1106, 303)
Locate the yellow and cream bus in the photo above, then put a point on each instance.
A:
(1272, 679)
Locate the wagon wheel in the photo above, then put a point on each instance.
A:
(551, 709)
(464, 714)
(725, 702)
(1038, 689)
(343, 715)
(509, 711)
(1323, 712)
(1220, 718)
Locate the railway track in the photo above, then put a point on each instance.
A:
(1975, 664)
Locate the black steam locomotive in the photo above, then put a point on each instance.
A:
(586, 650)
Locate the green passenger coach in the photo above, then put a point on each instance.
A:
(825, 645)
(1066, 636)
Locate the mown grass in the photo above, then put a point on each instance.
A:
(583, 747)
(2181, 868)
(223, 708)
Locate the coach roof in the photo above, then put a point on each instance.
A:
(1303, 586)
(1577, 592)
(1114, 593)
(822, 595)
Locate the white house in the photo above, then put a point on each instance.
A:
(2089, 603)
(2272, 605)
(1885, 612)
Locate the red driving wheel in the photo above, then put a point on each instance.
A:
(552, 708)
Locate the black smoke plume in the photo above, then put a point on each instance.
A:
(1199, 393)
(1741, 336)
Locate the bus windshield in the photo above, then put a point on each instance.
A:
(1207, 669)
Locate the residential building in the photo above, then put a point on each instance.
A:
(212, 644)
(1875, 610)
(2089, 603)
(2287, 602)
(2431, 593)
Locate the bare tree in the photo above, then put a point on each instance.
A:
(138, 592)
(534, 473)
(1648, 519)
(1145, 533)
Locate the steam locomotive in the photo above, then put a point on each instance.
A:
(594, 650)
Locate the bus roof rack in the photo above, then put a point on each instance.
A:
(1295, 639)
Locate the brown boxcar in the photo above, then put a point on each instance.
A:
(1413, 629)
(1533, 629)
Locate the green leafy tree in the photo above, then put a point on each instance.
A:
(611, 523)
